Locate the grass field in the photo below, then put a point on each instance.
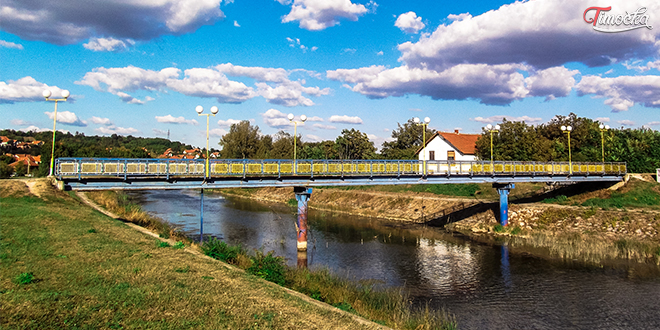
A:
(65, 265)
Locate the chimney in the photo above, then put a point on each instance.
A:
(455, 131)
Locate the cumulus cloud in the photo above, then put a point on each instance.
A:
(345, 119)
(39, 130)
(313, 138)
(228, 122)
(19, 122)
(67, 118)
(71, 21)
(204, 82)
(409, 22)
(101, 121)
(26, 89)
(626, 122)
(316, 15)
(176, 120)
(217, 132)
(459, 17)
(653, 123)
(378, 141)
(108, 44)
(602, 119)
(636, 65)
(623, 92)
(322, 126)
(551, 83)
(500, 118)
(108, 130)
(8, 44)
(542, 34)
(159, 132)
(236, 24)
(276, 118)
(314, 118)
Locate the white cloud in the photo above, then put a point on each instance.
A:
(500, 118)
(626, 122)
(160, 132)
(236, 24)
(551, 83)
(317, 15)
(19, 122)
(541, 34)
(217, 132)
(276, 118)
(116, 130)
(314, 118)
(8, 44)
(603, 119)
(345, 119)
(322, 126)
(108, 44)
(26, 89)
(67, 118)
(176, 120)
(635, 65)
(38, 130)
(378, 141)
(353, 76)
(313, 138)
(624, 91)
(380, 53)
(409, 22)
(70, 21)
(228, 122)
(459, 17)
(205, 82)
(101, 121)
(653, 123)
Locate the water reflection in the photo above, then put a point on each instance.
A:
(486, 287)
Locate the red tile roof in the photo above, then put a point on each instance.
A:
(464, 143)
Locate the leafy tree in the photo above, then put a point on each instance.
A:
(242, 141)
(353, 144)
(283, 146)
(5, 170)
(20, 169)
(407, 140)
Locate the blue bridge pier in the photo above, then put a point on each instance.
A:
(503, 190)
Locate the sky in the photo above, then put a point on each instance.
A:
(140, 67)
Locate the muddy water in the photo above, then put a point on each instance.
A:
(485, 287)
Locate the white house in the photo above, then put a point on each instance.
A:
(450, 146)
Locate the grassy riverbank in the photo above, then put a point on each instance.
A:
(65, 265)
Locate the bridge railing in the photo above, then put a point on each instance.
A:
(156, 167)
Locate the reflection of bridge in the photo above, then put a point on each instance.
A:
(145, 173)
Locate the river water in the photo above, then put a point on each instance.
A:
(485, 287)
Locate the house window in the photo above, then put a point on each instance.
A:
(451, 155)
(431, 155)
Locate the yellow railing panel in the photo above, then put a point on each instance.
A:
(91, 168)
(237, 168)
(599, 168)
(219, 168)
(348, 168)
(69, 168)
(334, 168)
(508, 168)
(270, 168)
(286, 168)
(111, 168)
(320, 168)
(136, 168)
(591, 168)
(254, 168)
(304, 168)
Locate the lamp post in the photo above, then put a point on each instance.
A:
(295, 131)
(603, 128)
(426, 122)
(46, 94)
(214, 110)
(567, 130)
(492, 129)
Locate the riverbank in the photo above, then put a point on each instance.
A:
(67, 265)
(595, 223)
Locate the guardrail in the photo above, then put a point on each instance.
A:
(72, 168)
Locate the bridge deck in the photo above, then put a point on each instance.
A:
(124, 173)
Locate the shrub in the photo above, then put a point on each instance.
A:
(24, 278)
(218, 249)
(268, 266)
(498, 228)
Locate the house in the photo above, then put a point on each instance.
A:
(5, 141)
(450, 146)
(29, 161)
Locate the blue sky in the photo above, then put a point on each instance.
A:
(141, 67)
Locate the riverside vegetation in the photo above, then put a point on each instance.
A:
(66, 265)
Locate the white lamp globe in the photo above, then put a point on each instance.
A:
(303, 118)
(601, 126)
(563, 128)
(290, 116)
(214, 110)
(427, 120)
(489, 127)
(416, 120)
(569, 128)
(46, 93)
(607, 126)
(65, 93)
(497, 127)
(199, 109)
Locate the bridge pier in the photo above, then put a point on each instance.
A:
(503, 190)
(302, 196)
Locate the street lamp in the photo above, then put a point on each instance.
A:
(603, 128)
(567, 130)
(295, 131)
(214, 110)
(426, 122)
(492, 129)
(46, 94)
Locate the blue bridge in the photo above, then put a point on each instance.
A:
(146, 173)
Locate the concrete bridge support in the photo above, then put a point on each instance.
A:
(302, 196)
(503, 190)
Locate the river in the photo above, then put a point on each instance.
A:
(485, 287)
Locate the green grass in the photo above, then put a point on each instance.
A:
(117, 278)
(641, 195)
(463, 190)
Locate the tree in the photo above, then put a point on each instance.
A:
(283, 146)
(242, 141)
(20, 169)
(5, 170)
(353, 144)
(407, 140)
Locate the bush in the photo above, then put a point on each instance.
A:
(218, 249)
(268, 266)
(5, 171)
(24, 278)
